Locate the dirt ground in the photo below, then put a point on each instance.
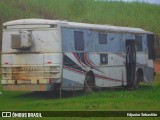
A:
(157, 66)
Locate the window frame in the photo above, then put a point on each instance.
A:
(79, 41)
(103, 55)
(102, 41)
(139, 43)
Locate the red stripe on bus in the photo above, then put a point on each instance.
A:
(87, 60)
(89, 63)
(107, 78)
(96, 75)
(77, 57)
(75, 70)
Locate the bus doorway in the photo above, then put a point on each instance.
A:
(130, 62)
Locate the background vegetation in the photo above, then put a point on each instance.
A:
(142, 15)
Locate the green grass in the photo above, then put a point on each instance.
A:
(144, 98)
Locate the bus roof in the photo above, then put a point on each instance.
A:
(76, 25)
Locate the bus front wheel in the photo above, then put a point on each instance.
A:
(139, 78)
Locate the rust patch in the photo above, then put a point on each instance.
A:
(32, 87)
(27, 73)
(157, 67)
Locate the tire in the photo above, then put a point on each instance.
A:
(89, 83)
(137, 79)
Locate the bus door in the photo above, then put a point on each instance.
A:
(130, 62)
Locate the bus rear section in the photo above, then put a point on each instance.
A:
(31, 56)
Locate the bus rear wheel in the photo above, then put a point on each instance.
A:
(89, 83)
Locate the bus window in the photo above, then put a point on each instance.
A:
(102, 38)
(138, 43)
(150, 44)
(104, 58)
(79, 40)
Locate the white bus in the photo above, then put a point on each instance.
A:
(42, 55)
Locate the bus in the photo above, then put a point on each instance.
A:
(45, 55)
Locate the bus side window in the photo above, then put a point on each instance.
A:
(103, 58)
(102, 38)
(79, 40)
(150, 44)
(138, 43)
